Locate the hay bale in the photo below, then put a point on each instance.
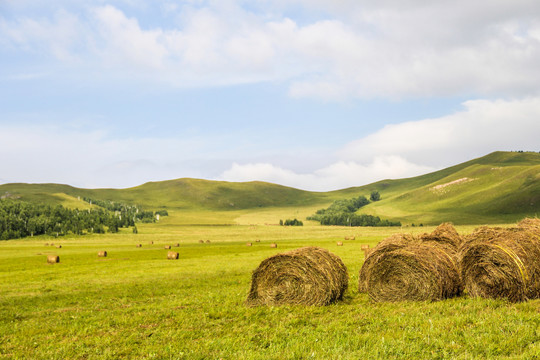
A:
(407, 267)
(177, 245)
(502, 263)
(306, 276)
(273, 245)
(138, 245)
(167, 246)
(59, 246)
(340, 243)
(151, 242)
(172, 255)
(53, 259)
(364, 246)
(102, 254)
(258, 240)
(201, 241)
(46, 244)
(249, 244)
(208, 241)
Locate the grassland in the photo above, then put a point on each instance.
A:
(137, 304)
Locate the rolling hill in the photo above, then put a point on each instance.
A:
(499, 187)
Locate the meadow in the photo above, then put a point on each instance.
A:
(137, 304)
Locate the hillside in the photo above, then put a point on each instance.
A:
(499, 187)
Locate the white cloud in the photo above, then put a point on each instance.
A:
(356, 49)
(340, 175)
(482, 127)
(415, 147)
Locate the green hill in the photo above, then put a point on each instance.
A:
(499, 187)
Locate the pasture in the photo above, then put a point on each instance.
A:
(135, 303)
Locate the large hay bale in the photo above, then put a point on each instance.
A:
(172, 255)
(502, 263)
(407, 267)
(306, 276)
(53, 259)
(102, 254)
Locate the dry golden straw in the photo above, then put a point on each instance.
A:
(53, 259)
(306, 276)
(102, 254)
(407, 267)
(138, 245)
(503, 263)
(249, 244)
(172, 255)
(273, 245)
(340, 243)
(167, 246)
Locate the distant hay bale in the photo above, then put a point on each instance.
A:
(138, 245)
(167, 246)
(258, 240)
(59, 246)
(407, 267)
(352, 238)
(208, 241)
(364, 246)
(340, 243)
(53, 259)
(102, 254)
(151, 242)
(177, 245)
(346, 238)
(273, 245)
(201, 241)
(502, 263)
(46, 244)
(172, 255)
(249, 244)
(305, 276)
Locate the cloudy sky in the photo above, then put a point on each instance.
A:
(314, 94)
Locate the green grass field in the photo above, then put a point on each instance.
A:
(136, 304)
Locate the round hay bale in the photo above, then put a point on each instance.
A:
(273, 245)
(346, 238)
(249, 244)
(306, 276)
(172, 255)
(167, 246)
(340, 243)
(102, 254)
(59, 246)
(201, 241)
(364, 246)
(177, 245)
(208, 241)
(151, 242)
(407, 267)
(138, 245)
(502, 263)
(46, 244)
(53, 259)
(258, 240)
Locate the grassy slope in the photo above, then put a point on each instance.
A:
(506, 187)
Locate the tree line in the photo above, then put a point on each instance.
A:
(343, 212)
(20, 219)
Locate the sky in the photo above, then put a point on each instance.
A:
(314, 94)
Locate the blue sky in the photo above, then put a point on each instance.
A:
(318, 95)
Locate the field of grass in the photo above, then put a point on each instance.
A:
(136, 304)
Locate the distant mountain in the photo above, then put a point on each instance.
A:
(499, 187)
